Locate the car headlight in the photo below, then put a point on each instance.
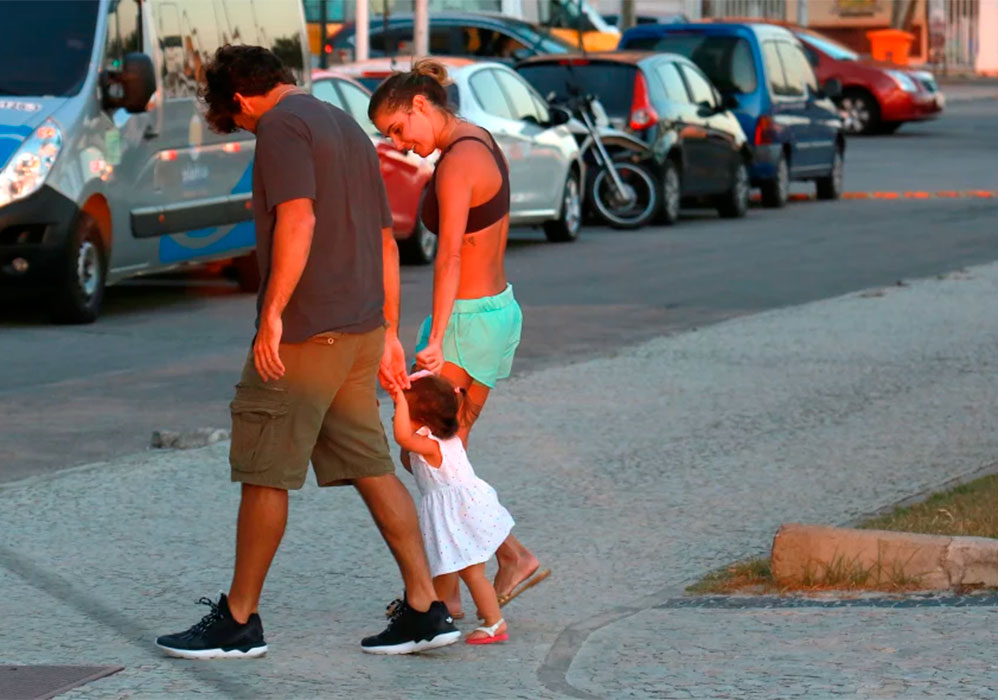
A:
(27, 169)
(903, 80)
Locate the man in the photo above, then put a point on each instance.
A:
(327, 324)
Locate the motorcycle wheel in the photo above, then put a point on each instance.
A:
(619, 213)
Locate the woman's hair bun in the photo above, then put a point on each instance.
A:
(431, 69)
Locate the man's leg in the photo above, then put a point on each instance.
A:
(263, 515)
(394, 513)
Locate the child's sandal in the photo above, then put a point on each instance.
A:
(491, 631)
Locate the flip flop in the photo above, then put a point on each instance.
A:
(531, 581)
(491, 631)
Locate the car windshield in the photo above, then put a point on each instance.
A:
(45, 47)
(612, 83)
(727, 60)
(829, 47)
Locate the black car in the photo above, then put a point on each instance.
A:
(699, 148)
(462, 34)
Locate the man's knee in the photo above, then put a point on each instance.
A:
(470, 410)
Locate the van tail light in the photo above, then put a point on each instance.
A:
(765, 131)
(643, 115)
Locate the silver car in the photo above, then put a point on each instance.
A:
(544, 165)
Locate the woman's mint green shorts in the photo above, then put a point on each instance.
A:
(481, 337)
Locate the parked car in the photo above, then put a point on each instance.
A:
(471, 35)
(545, 169)
(763, 73)
(698, 148)
(876, 97)
(405, 174)
(107, 168)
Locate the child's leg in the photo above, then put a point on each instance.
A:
(446, 586)
(485, 597)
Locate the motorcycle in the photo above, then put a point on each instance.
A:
(621, 188)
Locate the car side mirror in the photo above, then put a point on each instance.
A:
(132, 86)
(832, 88)
(729, 102)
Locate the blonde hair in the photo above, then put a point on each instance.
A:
(427, 77)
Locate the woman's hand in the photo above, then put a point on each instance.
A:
(431, 357)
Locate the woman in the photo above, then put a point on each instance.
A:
(475, 327)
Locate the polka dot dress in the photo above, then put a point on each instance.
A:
(460, 516)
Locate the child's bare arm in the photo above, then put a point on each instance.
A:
(407, 438)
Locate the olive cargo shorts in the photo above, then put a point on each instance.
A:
(324, 408)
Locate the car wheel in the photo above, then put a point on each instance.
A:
(672, 193)
(569, 222)
(733, 204)
(830, 186)
(860, 112)
(79, 292)
(247, 273)
(420, 248)
(776, 191)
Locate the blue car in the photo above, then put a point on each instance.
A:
(766, 80)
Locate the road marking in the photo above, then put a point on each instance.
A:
(889, 195)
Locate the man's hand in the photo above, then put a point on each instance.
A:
(392, 372)
(266, 355)
(431, 357)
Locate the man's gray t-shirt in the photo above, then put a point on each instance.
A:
(306, 148)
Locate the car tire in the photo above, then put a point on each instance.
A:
(860, 112)
(776, 191)
(246, 271)
(672, 193)
(79, 290)
(888, 127)
(420, 248)
(733, 204)
(830, 186)
(567, 226)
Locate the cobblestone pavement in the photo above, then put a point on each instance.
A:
(629, 475)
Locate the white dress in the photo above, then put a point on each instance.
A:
(460, 516)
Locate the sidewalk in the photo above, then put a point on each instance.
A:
(630, 476)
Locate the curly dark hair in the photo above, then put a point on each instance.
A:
(248, 70)
(434, 403)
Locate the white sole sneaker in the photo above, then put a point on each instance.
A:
(205, 654)
(441, 640)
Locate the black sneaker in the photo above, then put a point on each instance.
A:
(217, 636)
(410, 631)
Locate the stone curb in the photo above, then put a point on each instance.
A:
(804, 554)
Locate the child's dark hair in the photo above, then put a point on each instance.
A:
(434, 402)
(427, 78)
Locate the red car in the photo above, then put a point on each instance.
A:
(405, 175)
(876, 97)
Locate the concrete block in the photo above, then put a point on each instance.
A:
(811, 554)
(973, 561)
(201, 437)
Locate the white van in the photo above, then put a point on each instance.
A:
(107, 168)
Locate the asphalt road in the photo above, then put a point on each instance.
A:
(168, 350)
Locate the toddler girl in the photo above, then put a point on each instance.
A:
(460, 516)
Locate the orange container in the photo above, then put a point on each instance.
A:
(891, 45)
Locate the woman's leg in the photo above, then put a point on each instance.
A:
(484, 596)
(516, 562)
